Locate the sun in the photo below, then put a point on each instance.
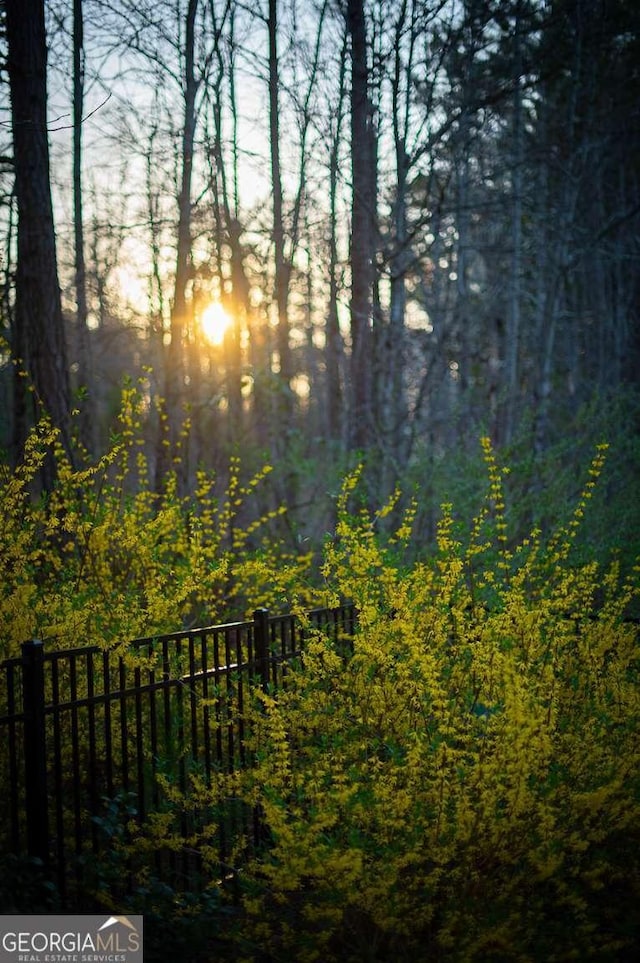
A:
(214, 322)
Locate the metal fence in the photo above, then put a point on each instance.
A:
(87, 734)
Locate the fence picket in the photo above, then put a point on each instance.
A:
(35, 751)
(87, 709)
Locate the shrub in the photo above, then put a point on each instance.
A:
(465, 786)
(103, 558)
(544, 483)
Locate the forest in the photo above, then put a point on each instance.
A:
(328, 232)
(312, 301)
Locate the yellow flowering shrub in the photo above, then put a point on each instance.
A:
(103, 558)
(466, 784)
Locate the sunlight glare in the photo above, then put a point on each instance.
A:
(215, 322)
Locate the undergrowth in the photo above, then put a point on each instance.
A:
(466, 785)
(103, 558)
(459, 781)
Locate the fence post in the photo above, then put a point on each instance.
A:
(35, 754)
(261, 644)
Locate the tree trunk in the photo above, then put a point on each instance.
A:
(281, 273)
(227, 226)
(39, 330)
(362, 231)
(396, 414)
(82, 344)
(513, 322)
(175, 379)
(334, 347)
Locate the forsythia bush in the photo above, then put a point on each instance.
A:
(465, 785)
(104, 559)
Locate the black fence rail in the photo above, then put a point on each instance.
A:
(88, 736)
